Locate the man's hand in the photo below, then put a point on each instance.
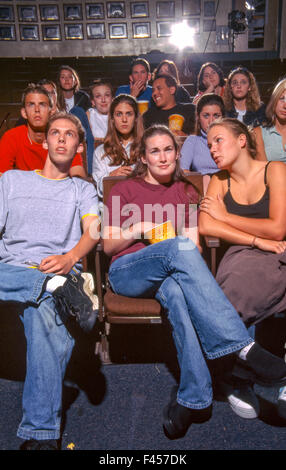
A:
(136, 87)
(57, 264)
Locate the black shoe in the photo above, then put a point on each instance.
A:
(178, 418)
(33, 444)
(261, 367)
(76, 299)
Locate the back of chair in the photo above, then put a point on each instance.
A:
(108, 183)
(195, 178)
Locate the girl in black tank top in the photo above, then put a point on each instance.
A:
(258, 210)
(234, 150)
(252, 272)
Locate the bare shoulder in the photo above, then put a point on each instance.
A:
(218, 183)
(257, 131)
(276, 170)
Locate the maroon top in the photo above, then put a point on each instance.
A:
(134, 200)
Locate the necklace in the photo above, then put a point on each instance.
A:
(30, 140)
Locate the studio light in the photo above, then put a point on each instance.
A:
(182, 35)
(249, 6)
(236, 21)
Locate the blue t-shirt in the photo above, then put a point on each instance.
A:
(146, 95)
(273, 144)
(196, 156)
(40, 217)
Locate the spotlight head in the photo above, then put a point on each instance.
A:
(235, 21)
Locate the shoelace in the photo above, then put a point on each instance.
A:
(64, 309)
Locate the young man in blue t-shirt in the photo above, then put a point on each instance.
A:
(49, 222)
(139, 76)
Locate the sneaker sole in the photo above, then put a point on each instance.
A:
(245, 413)
(88, 287)
(249, 411)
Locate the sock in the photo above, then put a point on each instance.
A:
(54, 283)
(243, 352)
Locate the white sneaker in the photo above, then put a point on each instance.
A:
(242, 400)
(282, 403)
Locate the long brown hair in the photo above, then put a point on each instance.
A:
(253, 101)
(216, 68)
(61, 99)
(112, 145)
(172, 69)
(140, 169)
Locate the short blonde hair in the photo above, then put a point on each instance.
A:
(279, 89)
(68, 117)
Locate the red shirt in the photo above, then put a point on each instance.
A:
(135, 200)
(18, 151)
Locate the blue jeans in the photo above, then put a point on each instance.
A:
(205, 324)
(49, 347)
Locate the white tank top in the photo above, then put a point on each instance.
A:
(98, 123)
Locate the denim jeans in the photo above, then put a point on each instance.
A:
(49, 347)
(205, 324)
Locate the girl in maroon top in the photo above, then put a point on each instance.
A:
(205, 325)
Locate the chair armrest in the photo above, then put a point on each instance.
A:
(212, 242)
(99, 278)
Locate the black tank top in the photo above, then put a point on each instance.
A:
(258, 210)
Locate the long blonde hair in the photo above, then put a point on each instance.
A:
(279, 88)
(253, 101)
(112, 145)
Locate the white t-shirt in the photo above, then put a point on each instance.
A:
(241, 113)
(69, 103)
(98, 123)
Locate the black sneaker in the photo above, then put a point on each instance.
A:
(34, 444)
(76, 299)
(261, 367)
(178, 418)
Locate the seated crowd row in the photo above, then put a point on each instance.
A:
(112, 136)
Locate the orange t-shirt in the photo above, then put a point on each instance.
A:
(17, 151)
